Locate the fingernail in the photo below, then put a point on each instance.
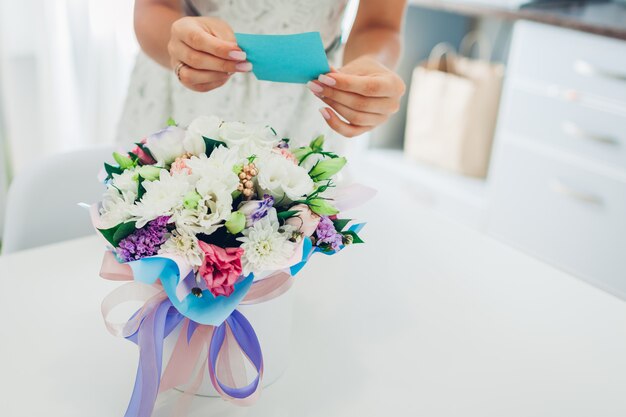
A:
(316, 88)
(325, 79)
(325, 113)
(237, 55)
(244, 66)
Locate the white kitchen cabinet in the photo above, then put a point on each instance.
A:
(558, 177)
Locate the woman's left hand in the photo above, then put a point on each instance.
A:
(364, 92)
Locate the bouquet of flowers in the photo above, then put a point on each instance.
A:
(203, 219)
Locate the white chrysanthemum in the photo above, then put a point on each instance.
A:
(207, 126)
(161, 198)
(212, 210)
(127, 183)
(266, 245)
(116, 208)
(183, 245)
(280, 177)
(215, 173)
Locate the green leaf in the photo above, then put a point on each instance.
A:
(341, 223)
(110, 170)
(140, 188)
(123, 161)
(134, 157)
(326, 168)
(171, 122)
(322, 207)
(123, 231)
(211, 144)
(284, 215)
(317, 144)
(355, 237)
(116, 233)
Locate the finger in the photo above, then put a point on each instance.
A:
(203, 88)
(190, 76)
(356, 118)
(222, 30)
(366, 85)
(381, 105)
(203, 61)
(205, 42)
(340, 126)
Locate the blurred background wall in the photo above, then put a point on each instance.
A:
(64, 71)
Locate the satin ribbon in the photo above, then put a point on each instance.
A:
(231, 342)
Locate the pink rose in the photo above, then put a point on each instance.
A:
(143, 156)
(305, 221)
(221, 268)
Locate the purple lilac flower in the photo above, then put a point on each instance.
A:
(283, 144)
(145, 241)
(326, 233)
(262, 208)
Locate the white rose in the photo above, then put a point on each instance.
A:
(207, 126)
(265, 137)
(250, 139)
(235, 133)
(280, 177)
(167, 144)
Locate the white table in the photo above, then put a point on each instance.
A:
(427, 319)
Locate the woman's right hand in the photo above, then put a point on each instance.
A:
(208, 49)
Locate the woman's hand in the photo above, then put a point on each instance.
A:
(364, 92)
(208, 49)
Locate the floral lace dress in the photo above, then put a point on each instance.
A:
(155, 93)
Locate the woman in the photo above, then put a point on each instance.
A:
(190, 65)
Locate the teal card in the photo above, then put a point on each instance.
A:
(295, 58)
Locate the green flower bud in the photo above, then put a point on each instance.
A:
(191, 200)
(236, 222)
(318, 143)
(326, 168)
(149, 172)
(322, 207)
(123, 161)
(301, 153)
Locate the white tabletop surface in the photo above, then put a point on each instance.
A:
(427, 319)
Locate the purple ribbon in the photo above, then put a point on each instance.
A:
(157, 324)
(248, 342)
(154, 328)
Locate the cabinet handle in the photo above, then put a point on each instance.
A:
(583, 67)
(559, 187)
(572, 129)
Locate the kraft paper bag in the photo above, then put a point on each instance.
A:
(452, 111)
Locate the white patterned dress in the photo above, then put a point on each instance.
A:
(155, 93)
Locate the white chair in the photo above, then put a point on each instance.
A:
(42, 203)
